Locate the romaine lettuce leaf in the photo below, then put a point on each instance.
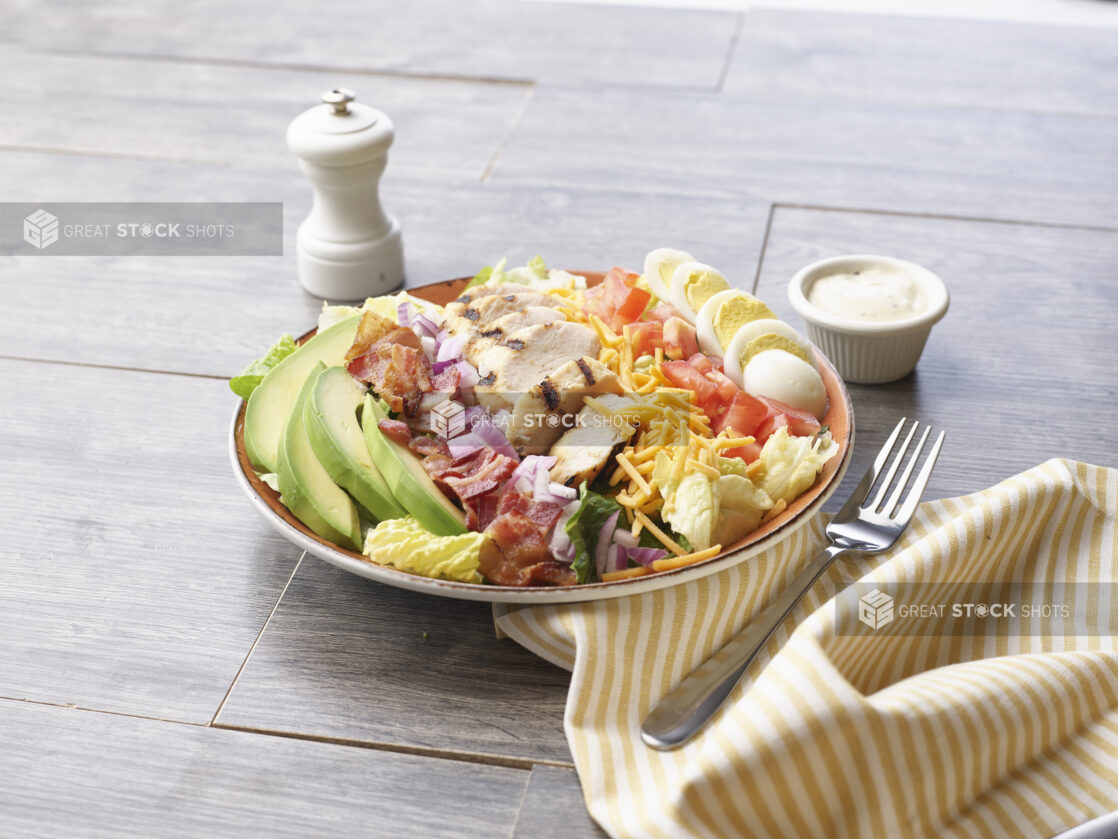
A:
(244, 384)
(584, 527)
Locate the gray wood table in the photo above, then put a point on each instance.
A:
(168, 666)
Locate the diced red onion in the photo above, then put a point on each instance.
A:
(439, 366)
(428, 326)
(615, 558)
(560, 544)
(428, 344)
(495, 438)
(468, 376)
(562, 491)
(645, 556)
(403, 314)
(625, 537)
(605, 537)
(451, 348)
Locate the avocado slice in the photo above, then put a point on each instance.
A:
(306, 488)
(407, 478)
(330, 417)
(270, 404)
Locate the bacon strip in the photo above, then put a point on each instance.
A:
(395, 430)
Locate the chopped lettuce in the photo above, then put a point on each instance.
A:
(584, 527)
(334, 314)
(535, 274)
(271, 479)
(707, 512)
(742, 505)
(244, 384)
(405, 544)
(789, 464)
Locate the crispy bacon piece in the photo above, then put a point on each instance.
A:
(548, 573)
(395, 430)
(542, 513)
(371, 328)
(481, 510)
(518, 546)
(424, 445)
(400, 374)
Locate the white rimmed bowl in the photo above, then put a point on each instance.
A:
(869, 352)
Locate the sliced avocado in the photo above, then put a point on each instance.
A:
(305, 486)
(407, 478)
(270, 404)
(330, 416)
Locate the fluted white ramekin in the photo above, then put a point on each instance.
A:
(863, 352)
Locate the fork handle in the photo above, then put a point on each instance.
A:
(683, 712)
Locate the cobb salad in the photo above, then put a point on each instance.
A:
(541, 430)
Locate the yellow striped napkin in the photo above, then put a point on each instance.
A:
(848, 734)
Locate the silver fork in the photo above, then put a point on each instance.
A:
(868, 526)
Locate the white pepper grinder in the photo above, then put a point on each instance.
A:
(348, 247)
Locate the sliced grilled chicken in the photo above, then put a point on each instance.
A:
(504, 326)
(526, 358)
(473, 316)
(583, 451)
(539, 416)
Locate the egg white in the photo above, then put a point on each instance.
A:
(676, 292)
(704, 321)
(780, 375)
(755, 329)
(658, 268)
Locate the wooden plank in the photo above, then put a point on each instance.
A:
(507, 39)
(1022, 367)
(934, 61)
(896, 157)
(344, 657)
(152, 312)
(77, 773)
(133, 576)
(553, 806)
(447, 130)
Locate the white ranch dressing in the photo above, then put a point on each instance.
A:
(872, 294)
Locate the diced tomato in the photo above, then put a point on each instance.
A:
(628, 277)
(679, 339)
(701, 362)
(743, 416)
(798, 422)
(645, 337)
(681, 374)
(727, 390)
(660, 312)
(631, 308)
(615, 302)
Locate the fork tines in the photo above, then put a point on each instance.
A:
(888, 508)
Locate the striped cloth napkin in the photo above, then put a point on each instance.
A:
(1001, 732)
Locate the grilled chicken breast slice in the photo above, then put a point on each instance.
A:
(538, 418)
(526, 358)
(583, 451)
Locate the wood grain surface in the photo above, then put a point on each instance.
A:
(128, 581)
(785, 55)
(80, 773)
(903, 157)
(554, 798)
(486, 39)
(355, 660)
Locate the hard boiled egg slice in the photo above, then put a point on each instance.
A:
(659, 266)
(693, 284)
(780, 375)
(759, 335)
(723, 315)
